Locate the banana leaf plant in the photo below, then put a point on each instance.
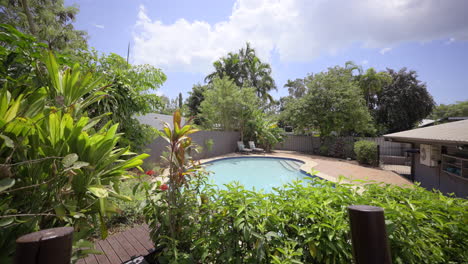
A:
(55, 168)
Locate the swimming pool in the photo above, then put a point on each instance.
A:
(256, 172)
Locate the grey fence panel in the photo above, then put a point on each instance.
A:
(340, 147)
(297, 143)
(223, 142)
(388, 148)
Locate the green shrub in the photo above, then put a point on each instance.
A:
(307, 224)
(56, 167)
(366, 152)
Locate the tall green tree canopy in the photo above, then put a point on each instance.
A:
(131, 92)
(332, 105)
(404, 102)
(193, 102)
(228, 107)
(296, 88)
(371, 83)
(459, 108)
(50, 21)
(245, 69)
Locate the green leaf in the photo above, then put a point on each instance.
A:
(6, 221)
(60, 211)
(79, 165)
(69, 159)
(84, 244)
(6, 184)
(120, 196)
(8, 141)
(98, 191)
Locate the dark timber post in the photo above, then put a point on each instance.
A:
(368, 235)
(49, 246)
(378, 155)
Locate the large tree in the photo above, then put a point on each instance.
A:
(371, 83)
(193, 102)
(228, 107)
(50, 21)
(403, 103)
(131, 92)
(296, 88)
(245, 69)
(332, 105)
(450, 110)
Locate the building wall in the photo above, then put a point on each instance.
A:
(434, 178)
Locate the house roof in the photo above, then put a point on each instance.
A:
(426, 122)
(156, 120)
(429, 122)
(451, 133)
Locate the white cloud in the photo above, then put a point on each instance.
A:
(364, 62)
(450, 41)
(385, 50)
(99, 26)
(299, 30)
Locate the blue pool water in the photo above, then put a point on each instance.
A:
(258, 173)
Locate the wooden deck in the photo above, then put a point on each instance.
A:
(122, 247)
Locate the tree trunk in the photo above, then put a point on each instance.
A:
(32, 26)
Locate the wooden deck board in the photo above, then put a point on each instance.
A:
(119, 250)
(131, 251)
(122, 247)
(91, 259)
(137, 245)
(109, 252)
(143, 237)
(101, 258)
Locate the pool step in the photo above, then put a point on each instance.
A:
(293, 164)
(287, 166)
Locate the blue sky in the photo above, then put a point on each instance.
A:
(183, 37)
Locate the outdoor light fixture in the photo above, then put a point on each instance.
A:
(462, 147)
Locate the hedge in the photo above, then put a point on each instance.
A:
(308, 224)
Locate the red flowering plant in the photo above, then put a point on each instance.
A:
(166, 209)
(163, 187)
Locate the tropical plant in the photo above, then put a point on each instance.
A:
(245, 69)
(227, 107)
(49, 21)
(371, 84)
(168, 211)
(332, 105)
(130, 93)
(264, 131)
(56, 169)
(296, 88)
(193, 102)
(308, 223)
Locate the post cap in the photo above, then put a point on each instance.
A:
(45, 234)
(365, 208)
